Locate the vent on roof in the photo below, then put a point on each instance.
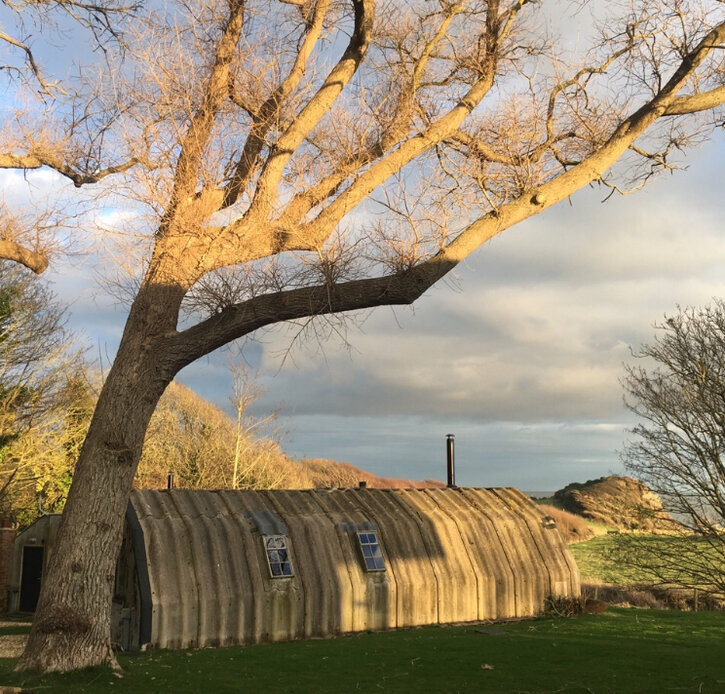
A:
(548, 522)
(278, 559)
(370, 547)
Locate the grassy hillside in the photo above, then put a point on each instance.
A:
(596, 563)
(327, 473)
(205, 448)
(625, 561)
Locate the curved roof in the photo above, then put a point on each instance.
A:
(450, 555)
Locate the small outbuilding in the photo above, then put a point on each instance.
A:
(30, 558)
(211, 568)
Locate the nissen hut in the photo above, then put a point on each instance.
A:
(208, 568)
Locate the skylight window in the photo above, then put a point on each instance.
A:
(370, 547)
(280, 564)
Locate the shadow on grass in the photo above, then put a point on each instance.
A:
(621, 651)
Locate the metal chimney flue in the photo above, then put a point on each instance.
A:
(170, 481)
(451, 457)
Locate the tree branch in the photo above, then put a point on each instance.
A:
(244, 318)
(259, 242)
(33, 260)
(201, 123)
(36, 161)
(46, 87)
(316, 108)
(272, 107)
(314, 233)
(693, 103)
(394, 133)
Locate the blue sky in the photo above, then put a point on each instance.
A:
(520, 357)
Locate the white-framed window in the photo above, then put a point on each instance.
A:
(276, 549)
(371, 553)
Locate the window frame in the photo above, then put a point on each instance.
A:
(280, 562)
(373, 557)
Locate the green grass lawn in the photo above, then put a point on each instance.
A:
(595, 564)
(14, 625)
(675, 561)
(619, 652)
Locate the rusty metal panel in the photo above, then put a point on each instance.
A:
(368, 603)
(317, 559)
(274, 606)
(525, 570)
(533, 556)
(168, 553)
(456, 583)
(410, 567)
(468, 536)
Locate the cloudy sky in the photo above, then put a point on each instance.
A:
(520, 358)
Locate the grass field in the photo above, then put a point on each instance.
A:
(595, 564)
(619, 652)
(642, 560)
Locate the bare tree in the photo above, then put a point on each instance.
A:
(102, 20)
(305, 158)
(34, 134)
(205, 448)
(678, 394)
(256, 460)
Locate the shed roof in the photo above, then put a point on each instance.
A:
(455, 554)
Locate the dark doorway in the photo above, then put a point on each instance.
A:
(30, 580)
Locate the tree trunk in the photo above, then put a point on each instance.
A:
(72, 625)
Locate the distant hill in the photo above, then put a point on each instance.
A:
(204, 448)
(327, 473)
(620, 502)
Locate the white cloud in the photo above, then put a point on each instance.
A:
(537, 334)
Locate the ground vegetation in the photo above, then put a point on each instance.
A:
(621, 650)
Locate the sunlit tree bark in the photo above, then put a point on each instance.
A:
(36, 90)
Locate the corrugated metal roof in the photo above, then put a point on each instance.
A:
(452, 555)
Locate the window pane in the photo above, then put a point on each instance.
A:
(371, 553)
(278, 557)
